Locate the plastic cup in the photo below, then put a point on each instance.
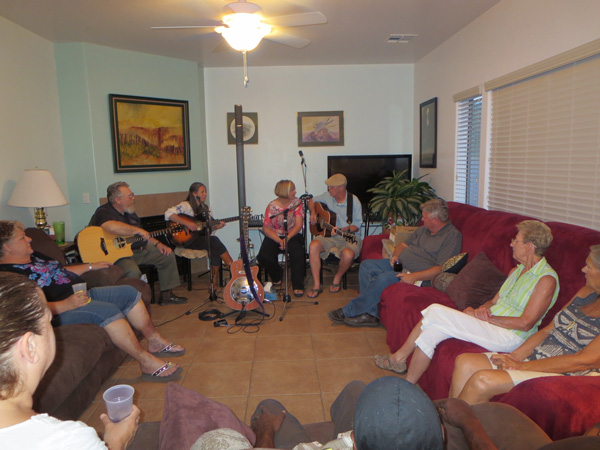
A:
(59, 232)
(79, 287)
(119, 402)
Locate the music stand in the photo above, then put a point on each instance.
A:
(286, 297)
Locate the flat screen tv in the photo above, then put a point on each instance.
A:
(365, 171)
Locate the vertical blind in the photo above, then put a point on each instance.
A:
(544, 156)
(468, 142)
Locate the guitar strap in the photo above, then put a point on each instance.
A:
(349, 208)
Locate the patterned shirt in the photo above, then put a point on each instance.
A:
(295, 213)
(573, 331)
(516, 292)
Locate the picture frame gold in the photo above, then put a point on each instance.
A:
(149, 134)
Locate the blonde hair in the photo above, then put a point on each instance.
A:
(538, 233)
(283, 188)
(595, 255)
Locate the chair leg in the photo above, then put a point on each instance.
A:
(188, 269)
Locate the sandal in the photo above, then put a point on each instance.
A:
(315, 293)
(335, 288)
(298, 293)
(155, 376)
(166, 352)
(384, 362)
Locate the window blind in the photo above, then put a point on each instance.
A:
(544, 156)
(468, 143)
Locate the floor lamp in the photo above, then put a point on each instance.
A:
(37, 189)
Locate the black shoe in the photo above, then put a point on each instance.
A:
(172, 300)
(336, 316)
(364, 320)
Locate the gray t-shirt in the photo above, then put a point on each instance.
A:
(426, 250)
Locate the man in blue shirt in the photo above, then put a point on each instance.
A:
(336, 200)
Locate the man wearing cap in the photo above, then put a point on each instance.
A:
(348, 210)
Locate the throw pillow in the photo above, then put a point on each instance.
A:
(187, 415)
(387, 249)
(442, 280)
(456, 263)
(476, 284)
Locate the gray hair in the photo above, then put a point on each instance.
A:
(595, 255)
(8, 230)
(22, 311)
(436, 208)
(113, 191)
(538, 233)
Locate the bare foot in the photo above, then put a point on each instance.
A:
(265, 425)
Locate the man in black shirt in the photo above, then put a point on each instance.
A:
(118, 217)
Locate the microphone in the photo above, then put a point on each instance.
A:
(302, 156)
(306, 196)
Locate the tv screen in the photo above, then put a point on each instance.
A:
(365, 171)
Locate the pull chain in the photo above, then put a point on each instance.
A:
(245, 68)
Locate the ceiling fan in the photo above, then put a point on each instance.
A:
(244, 27)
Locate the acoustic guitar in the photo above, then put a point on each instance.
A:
(96, 244)
(326, 220)
(187, 237)
(237, 293)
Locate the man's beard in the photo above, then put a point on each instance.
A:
(131, 209)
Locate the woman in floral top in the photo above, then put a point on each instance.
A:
(275, 236)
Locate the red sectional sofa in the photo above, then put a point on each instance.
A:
(562, 406)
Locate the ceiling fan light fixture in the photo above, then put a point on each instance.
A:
(243, 32)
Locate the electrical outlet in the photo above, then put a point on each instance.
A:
(86, 197)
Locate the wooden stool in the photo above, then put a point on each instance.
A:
(187, 255)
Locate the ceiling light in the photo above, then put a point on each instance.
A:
(243, 32)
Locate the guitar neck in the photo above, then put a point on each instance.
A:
(137, 238)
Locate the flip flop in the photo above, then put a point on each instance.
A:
(315, 292)
(166, 352)
(384, 362)
(155, 376)
(335, 288)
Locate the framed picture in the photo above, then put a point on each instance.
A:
(321, 128)
(428, 141)
(149, 134)
(249, 125)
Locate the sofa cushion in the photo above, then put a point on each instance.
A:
(44, 244)
(476, 284)
(187, 415)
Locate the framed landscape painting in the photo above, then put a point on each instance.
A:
(320, 128)
(149, 134)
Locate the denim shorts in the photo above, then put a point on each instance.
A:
(108, 304)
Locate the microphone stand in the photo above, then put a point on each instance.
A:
(212, 294)
(304, 197)
(286, 296)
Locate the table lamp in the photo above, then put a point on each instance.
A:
(37, 189)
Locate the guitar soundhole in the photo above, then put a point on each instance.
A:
(120, 242)
(240, 291)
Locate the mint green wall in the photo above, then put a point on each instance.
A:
(86, 75)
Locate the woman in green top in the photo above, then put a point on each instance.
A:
(500, 325)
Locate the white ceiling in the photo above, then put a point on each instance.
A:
(356, 32)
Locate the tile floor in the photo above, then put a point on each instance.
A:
(304, 361)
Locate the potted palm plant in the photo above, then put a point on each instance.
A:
(397, 199)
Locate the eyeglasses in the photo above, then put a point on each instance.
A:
(513, 241)
(130, 196)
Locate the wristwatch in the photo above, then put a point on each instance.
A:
(90, 266)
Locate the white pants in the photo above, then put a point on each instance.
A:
(441, 323)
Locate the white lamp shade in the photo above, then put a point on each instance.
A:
(243, 31)
(37, 188)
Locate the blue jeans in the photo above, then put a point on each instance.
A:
(374, 276)
(108, 304)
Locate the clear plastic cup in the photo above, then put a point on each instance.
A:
(119, 401)
(79, 287)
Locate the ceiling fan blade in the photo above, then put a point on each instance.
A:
(183, 27)
(287, 39)
(298, 20)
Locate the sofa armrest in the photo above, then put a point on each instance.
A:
(372, 245)
(562, 406)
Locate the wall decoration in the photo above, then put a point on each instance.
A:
(320, 128)
(249, 125)
(428, 141)
(149, 134)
